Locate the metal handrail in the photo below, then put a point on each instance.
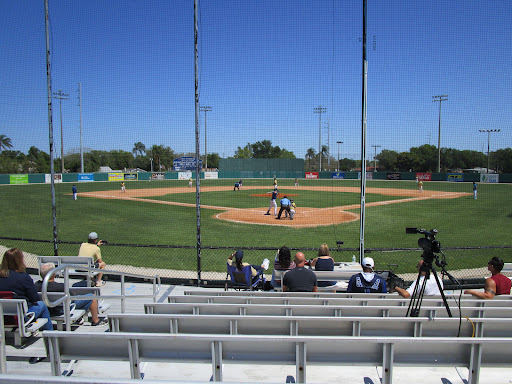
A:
(67, 298)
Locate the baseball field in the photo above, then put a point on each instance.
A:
(163, 213)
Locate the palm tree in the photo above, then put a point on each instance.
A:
(5, 142)
(138, 148)
(310, 154)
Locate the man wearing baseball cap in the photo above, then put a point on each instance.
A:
(92, 249)
(367, 281)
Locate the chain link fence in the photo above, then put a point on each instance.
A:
(183, 264)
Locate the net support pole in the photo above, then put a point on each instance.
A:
(50, 124)
(198, 170)
(363, 141)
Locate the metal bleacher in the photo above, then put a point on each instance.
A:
(301, 351)
(322, 310)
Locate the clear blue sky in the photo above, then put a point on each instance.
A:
(264, 66)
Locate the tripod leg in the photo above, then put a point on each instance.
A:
(442, 292)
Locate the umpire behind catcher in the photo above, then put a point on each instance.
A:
(285, 206)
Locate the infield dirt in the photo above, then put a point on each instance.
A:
(305, 216)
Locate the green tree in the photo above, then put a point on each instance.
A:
(213, 160)
(387, 160)
(243, 153)
(501, 160)
(139, 148)
(5, 142)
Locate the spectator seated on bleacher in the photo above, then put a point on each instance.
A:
(367, 281)
(282, 262)
(92, 249)
(300, 279)
(86, 304)
(14, 278)
(497, 284)
(431, 288)
(324, 262)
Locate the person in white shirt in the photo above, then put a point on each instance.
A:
(431, 287)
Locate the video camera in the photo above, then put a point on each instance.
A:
(429, 244)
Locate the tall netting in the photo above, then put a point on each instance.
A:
(280, 108)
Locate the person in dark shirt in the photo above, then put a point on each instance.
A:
(14, 278)
(367, 281)
(324, 262)
(300, 279)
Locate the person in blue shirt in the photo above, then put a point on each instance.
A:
(367, 281)
(273, 203)
(285, 206)
(75, 192)
(237, 186)
(475, 189)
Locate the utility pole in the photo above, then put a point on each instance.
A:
(439, 98)
(488, 131)
(339, 145)
(320, 110)
(81, 136)
(374, 157)
(61, 96)
(205, 109)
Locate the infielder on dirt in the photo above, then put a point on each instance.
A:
(273, 202)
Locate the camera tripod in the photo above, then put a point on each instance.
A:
(419, 292)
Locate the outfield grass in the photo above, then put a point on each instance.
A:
(26, 212)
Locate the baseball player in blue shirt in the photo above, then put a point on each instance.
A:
(285, 206)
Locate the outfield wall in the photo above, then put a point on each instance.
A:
(246, 174)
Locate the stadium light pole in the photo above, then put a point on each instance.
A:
(439, 98)
(205, 109)
(339, 145)
(374, 157)
(61, 96)
(489, 131)
(319, 110)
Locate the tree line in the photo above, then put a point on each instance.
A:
(160, 158)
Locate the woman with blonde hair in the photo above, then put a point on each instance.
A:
(324, 262)
(14, 278)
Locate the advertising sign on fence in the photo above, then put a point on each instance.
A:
(424, 176)
(455, 177)
(18, 179)
(130, 176)
(115, 176)
(211, 175)
(57, 178)
(338, 175)
(184, 175)
(489, 178)
(311, 175)
(158, 176)
(186, 163)
(393, 176)
(86, 177)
